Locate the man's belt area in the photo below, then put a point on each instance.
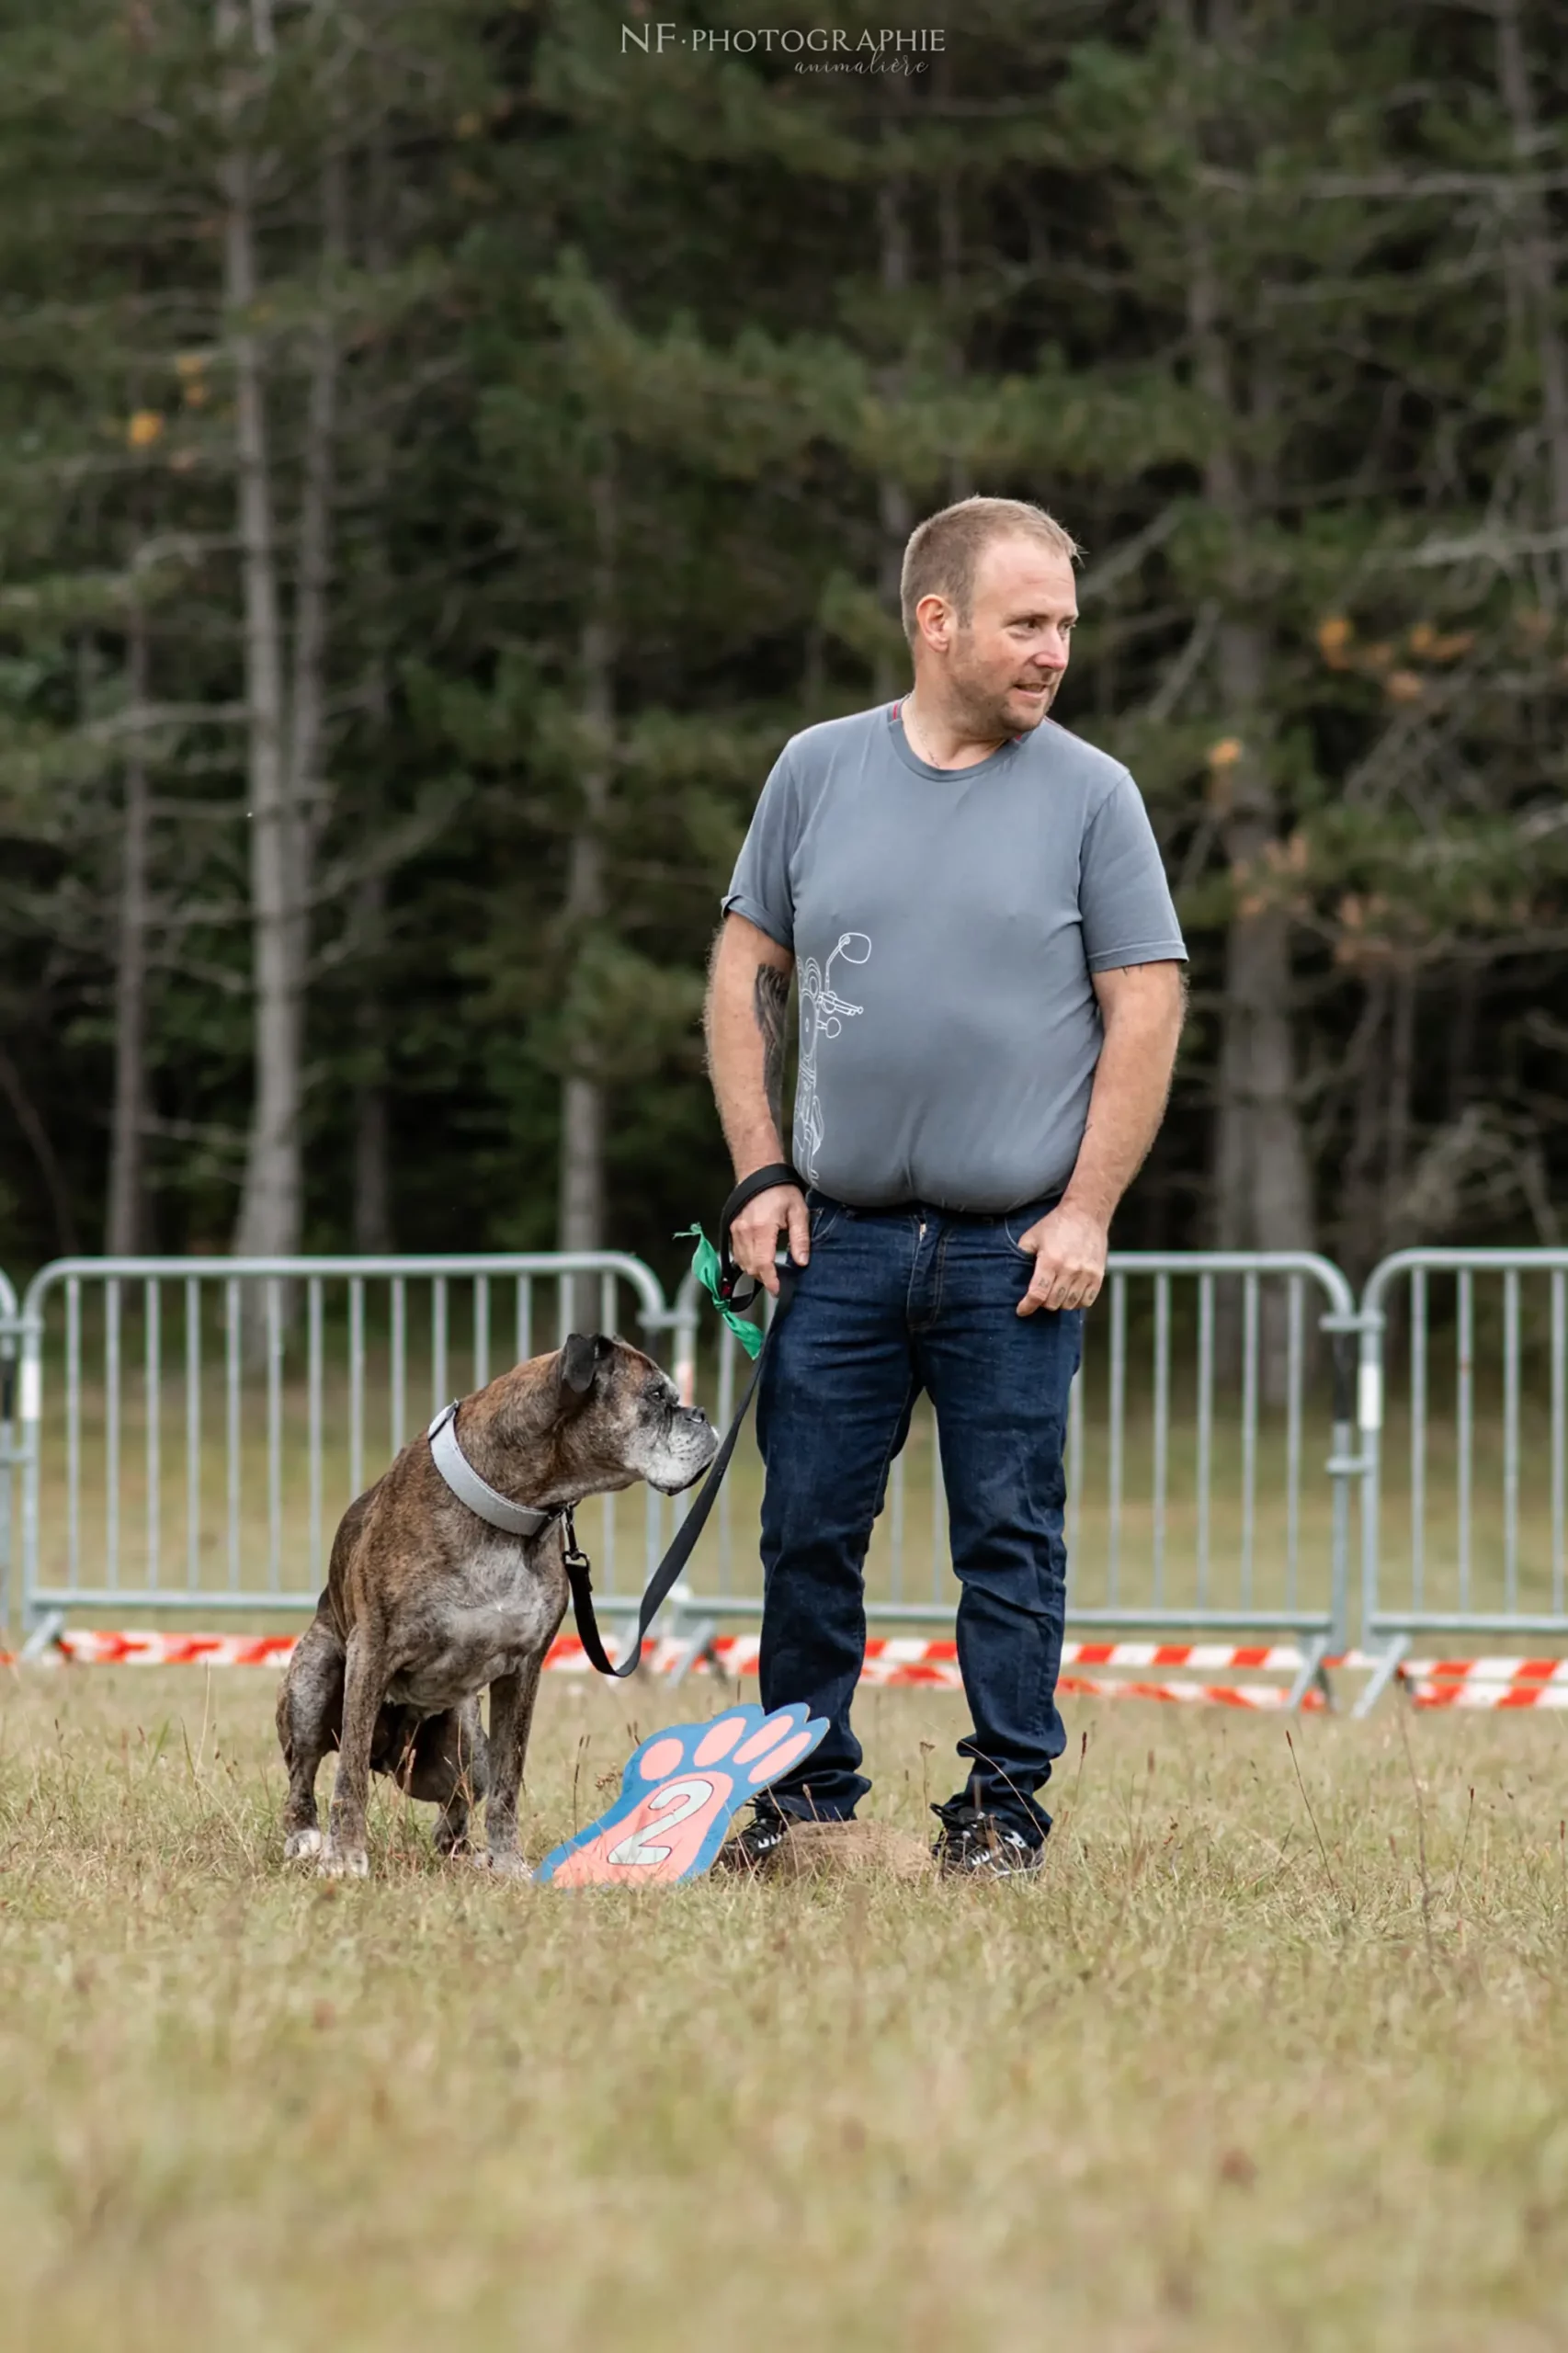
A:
(1040, 1207)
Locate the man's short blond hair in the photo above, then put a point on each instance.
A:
(943, 551)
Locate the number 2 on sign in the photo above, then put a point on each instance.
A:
(677, 1802)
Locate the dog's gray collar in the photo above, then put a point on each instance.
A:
(513, 1519)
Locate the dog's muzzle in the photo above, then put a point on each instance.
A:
(690, 1427)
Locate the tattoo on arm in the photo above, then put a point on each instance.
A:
(770, 997)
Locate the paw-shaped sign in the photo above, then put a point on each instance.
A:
(677, 1793)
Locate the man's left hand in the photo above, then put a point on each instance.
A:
(1069, 1249)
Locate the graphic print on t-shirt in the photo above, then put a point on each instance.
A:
(823, 1015)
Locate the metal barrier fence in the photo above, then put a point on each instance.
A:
(10, 1336)
(1203, 1417)
(218, 1413)
(1459, 1341)
(207, 1418)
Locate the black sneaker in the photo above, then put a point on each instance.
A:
(977, 1845)
(766, 1829)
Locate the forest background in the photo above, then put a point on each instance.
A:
(446, 449)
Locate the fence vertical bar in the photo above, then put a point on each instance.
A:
(481, 1331)
(1161, 1428)
(1249, 1432)
(398, 1364)
(524, 1318)
(153, 1383)
(9, 1453)
(1559, 1436)
(1295, 1377)
(439, 1391)
(233, 1312)
(1511, 1438)
(192, 1433)
(1075, 1449)
(1369, 1446)
(314, 1420)
(895, 1530)
(1116, 1438)
(1346, 1462)
(73, 1430)
(111, 1431)
(355, 1386)
(1465, 1349)
(653, 1531)
(1205, 1429)
(274, 1302)
(30, 1421)
(1418, 1435)
(938, 1517)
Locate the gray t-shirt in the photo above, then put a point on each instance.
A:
(944, 924)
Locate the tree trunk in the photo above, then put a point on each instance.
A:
(1264, 1195)
(1363, 1183)
(308, 809)
(581, 1203)
(269, 1216)
(288, 788)
(1463, 1021)
(372, 1125)
(949, 250)
(372, 1174)
(1263, 1185)
(1263, 1192)
(125, 1224)
(36, 1136)
(1401, 1089)
(894, 520)
(372, 1221)
(1512, 73)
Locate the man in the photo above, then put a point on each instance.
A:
(989, 969)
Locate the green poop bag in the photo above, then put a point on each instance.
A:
(705, 1265)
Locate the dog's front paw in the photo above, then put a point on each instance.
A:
(344, 1862)
(302, 1844)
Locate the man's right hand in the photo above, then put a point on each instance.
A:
(754, 1237)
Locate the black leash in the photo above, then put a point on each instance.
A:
(740, 1290)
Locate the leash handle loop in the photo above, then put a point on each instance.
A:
(740, 1290)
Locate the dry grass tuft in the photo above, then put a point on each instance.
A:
(1205, 2084)
(849, 1850)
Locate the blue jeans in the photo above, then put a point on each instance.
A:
(892, 1302)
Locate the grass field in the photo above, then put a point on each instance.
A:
(1232, 2072)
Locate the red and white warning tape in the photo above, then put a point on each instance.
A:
(913, 1661)
(1486, 1682)
(1185, 1694)
(87, 1646)
(1534, 1671)
(890, 1659)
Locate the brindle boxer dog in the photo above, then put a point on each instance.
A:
(426, 1604)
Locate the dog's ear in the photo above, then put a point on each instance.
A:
(580, 1357)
